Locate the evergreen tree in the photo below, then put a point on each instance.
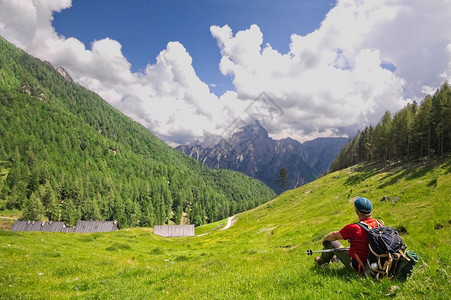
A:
(178, 215)
(69, 214)
(50, 202)
(34, 210)
(282, 180)
(423, 127)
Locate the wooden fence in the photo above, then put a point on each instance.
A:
(174, 230)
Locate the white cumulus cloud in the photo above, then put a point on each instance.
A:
(330, 82)
(168, 97)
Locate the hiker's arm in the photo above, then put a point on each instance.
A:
(332, 236)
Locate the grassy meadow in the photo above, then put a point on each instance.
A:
(260, 257)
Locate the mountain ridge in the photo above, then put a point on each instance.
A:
(252, 151)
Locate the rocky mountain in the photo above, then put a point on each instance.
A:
(320, 152)
(250, 150)
(64, 73)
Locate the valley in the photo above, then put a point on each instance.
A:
(259, 257)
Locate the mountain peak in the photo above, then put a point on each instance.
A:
(254, 128)
(250, 150)
(211, 140)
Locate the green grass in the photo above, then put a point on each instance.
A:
(260, 257)
(209, 228)
(11, 213)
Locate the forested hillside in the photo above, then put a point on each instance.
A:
(414, 132)
(65, 154)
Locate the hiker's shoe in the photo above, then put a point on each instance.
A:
(317, 261)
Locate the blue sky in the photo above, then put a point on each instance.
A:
(145, 27)
(186, 69)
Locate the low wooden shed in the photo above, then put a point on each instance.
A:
(95, 226)
(81, 227)
(38, 226)
(174, 230)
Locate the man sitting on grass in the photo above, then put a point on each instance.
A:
(356, 258)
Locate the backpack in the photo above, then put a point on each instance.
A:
(386, 250)
(405, 267)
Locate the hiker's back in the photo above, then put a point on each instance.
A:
(358, 238)
(387, 251)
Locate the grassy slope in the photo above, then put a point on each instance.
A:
(259, 257)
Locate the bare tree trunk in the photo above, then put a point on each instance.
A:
(429, 140)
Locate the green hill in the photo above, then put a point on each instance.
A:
(260, 257)
(65, 154)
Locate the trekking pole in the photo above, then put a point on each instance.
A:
(310, 252)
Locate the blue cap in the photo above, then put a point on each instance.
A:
(363, 205)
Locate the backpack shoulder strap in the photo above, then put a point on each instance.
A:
(364, 226)
(368, 227)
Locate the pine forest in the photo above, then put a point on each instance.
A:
(414, 132)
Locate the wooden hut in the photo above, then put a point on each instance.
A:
(173, 230)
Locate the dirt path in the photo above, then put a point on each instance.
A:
(230, 222)
(9, 218)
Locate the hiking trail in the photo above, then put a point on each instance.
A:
(230, 222)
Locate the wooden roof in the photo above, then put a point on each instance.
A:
(38, 226)
(82, 226)
(96, 226)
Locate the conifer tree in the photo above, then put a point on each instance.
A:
(50, 202)
(34, 210)
(282, 180)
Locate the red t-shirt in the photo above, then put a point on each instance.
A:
(358, 239)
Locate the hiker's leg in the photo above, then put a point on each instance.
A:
(344, 257)
(327, 256)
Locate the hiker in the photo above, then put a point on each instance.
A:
(356, 258)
